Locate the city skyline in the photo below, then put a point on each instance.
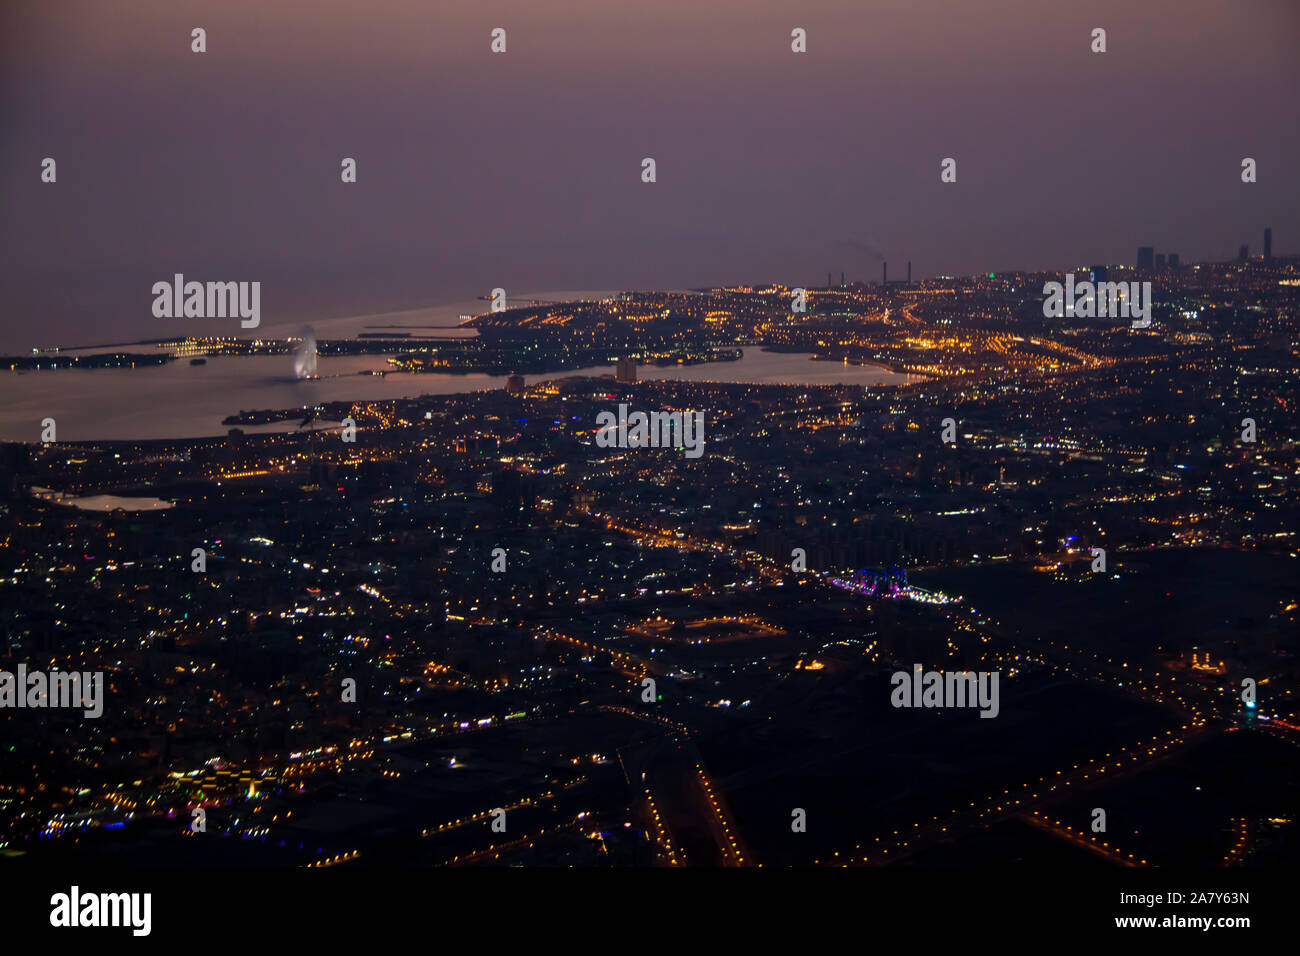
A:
(1147, 260)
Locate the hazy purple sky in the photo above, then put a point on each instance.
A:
(522, 170)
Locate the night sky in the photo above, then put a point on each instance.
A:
(522, 170)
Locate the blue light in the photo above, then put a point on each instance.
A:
(1250, 704)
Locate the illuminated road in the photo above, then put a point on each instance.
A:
(687, 815)
(1080, 838)
(1013, 802)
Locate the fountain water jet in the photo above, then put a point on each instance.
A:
(304, 356)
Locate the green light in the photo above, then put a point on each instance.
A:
(990, 275)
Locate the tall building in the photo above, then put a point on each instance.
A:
(1245, 253)
(625, 371)
(1098, 273)
(1160, 260)
(1173, 260)
(884, 273)
(1268, 243)
(1146, 257)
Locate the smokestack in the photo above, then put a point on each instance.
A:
(884, 273)
(841, 277)
(909, 271)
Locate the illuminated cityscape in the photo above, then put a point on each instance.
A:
(498, 589)
(558, 473)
